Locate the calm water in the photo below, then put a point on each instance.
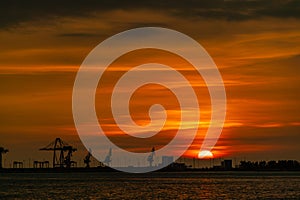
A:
(188, 185)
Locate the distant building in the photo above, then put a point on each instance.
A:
(226, 164)
(167, 160)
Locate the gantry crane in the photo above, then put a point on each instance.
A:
(2, 151)
(107, 160)
(150, 158)
(87, 159)
(59, 149)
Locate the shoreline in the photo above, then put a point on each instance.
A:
(108, 169)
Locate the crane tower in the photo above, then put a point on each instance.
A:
(62, 153)
(107, 160)
(150, 158)
(2, 151)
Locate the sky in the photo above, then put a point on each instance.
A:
(254, 43)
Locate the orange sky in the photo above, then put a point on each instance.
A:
(258, 58)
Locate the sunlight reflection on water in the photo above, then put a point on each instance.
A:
(187, 185)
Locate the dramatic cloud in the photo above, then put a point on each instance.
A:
(14, 12)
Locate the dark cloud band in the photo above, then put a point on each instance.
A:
(15, 12)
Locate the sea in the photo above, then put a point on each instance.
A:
(156, 185)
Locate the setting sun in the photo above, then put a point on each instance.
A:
(205, 155)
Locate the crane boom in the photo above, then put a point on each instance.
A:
(59, 148)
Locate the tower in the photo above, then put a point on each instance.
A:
(2, 151)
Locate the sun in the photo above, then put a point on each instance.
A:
(205, 155)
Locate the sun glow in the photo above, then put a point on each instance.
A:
(205, 155)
